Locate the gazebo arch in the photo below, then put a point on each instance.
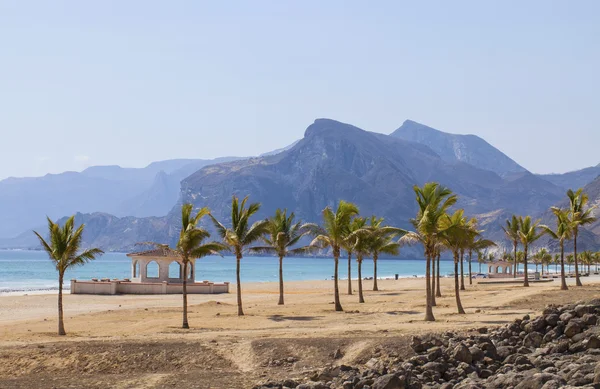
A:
(499, 269)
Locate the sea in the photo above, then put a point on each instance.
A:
(24, 271)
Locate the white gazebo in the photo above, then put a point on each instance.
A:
(156, 271)
(499, 269)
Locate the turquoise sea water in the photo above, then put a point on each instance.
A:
(32, 270)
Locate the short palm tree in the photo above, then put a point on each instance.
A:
(241, 235)
(348, 245)
(477, 244)
(381, 242)
(361, 248)
(511, 230)
(64, 251)
(587, 258)
(433, 201)
(570, 261)
(562, 233)
(455, 234)
(283, 233)
(580, 215)
(529, 233)
(336, 227)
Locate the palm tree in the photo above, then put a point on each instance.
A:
(381, 242)
(336, 226)
(512, 233)
(241, 235)
(282, 234)
(455, 234)
(579, 217)
(587, 257)
(433, 200)
(191, 245)
(570, 261)
(562, 233)
(348, 245)
(64, 251)
(361, 248)
(477, 244)
(556, 261)
(529, 233)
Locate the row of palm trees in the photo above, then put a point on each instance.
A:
(435, 228)
(525, 231)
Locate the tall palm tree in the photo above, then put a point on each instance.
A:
(529, 233)
(348, 245)
(241, 235)
(64, 251)
(382, 243)
(562, 233)
(191, 246)
(511, 230)
(336, 226)
(580, 215)
(282, 234)
(433, 201)
(455, 234)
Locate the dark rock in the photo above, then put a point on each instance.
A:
(462, 354)
(538, 380)
(476, 353)
(552, 319)
(434, 353)
(573, 328)
(589, 319)
(566, 317)
(533, 339)
(592, 342)
(388, 381)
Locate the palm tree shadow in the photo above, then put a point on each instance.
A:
(279, 318)
(403, 312)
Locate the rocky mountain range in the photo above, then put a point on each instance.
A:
(332, 161)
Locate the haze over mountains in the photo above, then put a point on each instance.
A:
(332, 161)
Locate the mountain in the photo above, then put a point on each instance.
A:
(470, 149)
(333, 161)
(575, 179)
(149, 191)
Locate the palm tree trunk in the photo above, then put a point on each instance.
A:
(515, 260)
(280, 280)
(428, 310)
(336, 292)
(456, 288)
(577, 280)
(438, 291)
(525, 275)
(433, 302)
(61, 323)
(563, 281)
(462, 274)
(239, 287)
(479, 267)
(349, 273)
(185, 305)
(470, 273)
(375, 257)
(361, 299)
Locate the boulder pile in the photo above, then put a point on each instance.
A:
(559, 349)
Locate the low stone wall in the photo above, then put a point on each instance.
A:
(125, 287)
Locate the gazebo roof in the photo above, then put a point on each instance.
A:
(158, 252)
(499, 263)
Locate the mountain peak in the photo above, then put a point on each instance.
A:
(470, 149)
(323, 125)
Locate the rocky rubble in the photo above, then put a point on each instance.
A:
(559, 349)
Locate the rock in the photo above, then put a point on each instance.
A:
(417, 344)
(337, 354)
(533, 339)
(434, 353)
(592, 342)
(388, 381)
(462, 354)
(581, 310)
(552, 319)
(573, 328)
(476, 353)
(589, 319)
(538, 380)
(566, 317)
(504, 352)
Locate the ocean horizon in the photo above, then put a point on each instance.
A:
(25, 270)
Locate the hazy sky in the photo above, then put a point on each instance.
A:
(129, 82)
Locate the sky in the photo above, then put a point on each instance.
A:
(130, 82)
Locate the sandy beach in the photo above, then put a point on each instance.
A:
(132, 341)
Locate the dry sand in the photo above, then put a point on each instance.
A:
(135, 341)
